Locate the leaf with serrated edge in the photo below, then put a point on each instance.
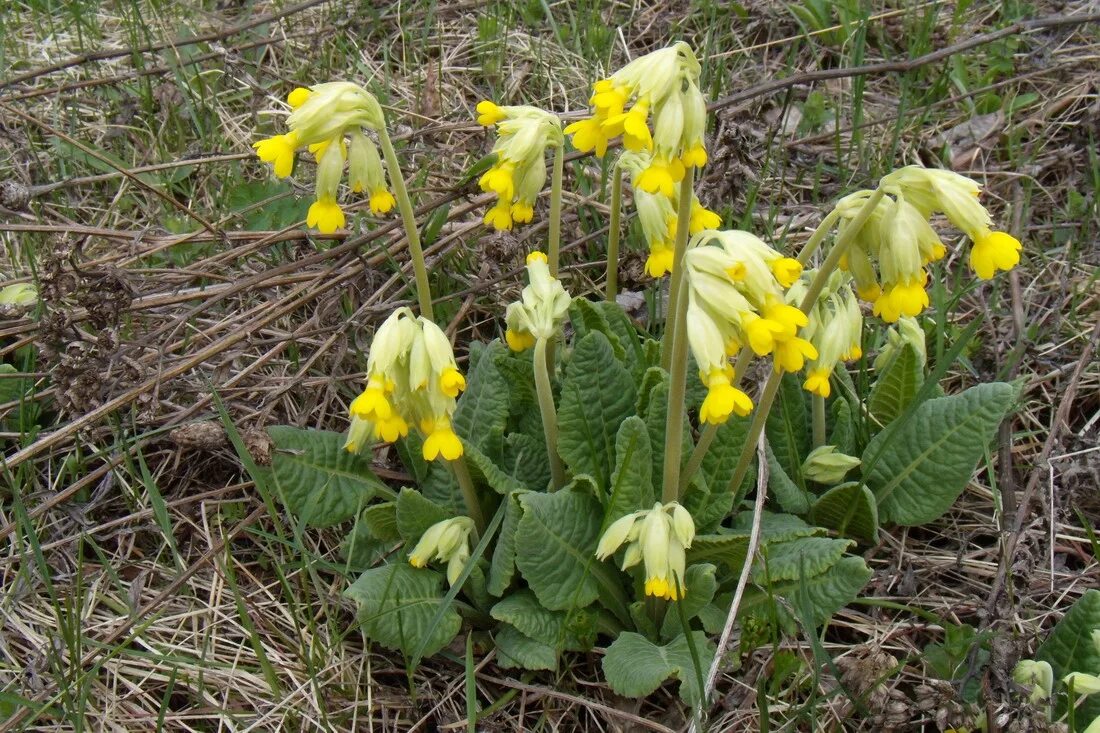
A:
(482, 410)
(320, 482)
(556, 547)
(827, 593)
(416, 513)
(397, 603)
(597, 395)
(931, 457)
(515, 650)
(523, 610)
(634, 666)
(720, 461)
(381, 519)
(791, 497)
(724, 548)
(632, 481)
(850, 510)
(481, 466)
(798, 557)
(586, 318)
(503, 566)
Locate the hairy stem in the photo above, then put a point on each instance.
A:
(818, 236)
(469, 493)
(676, 332)
(553, 238)
(818, 403)
(408, 218)
(612, 286)
(549, 414)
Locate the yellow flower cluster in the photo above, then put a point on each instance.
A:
(542, 307)
(323, 117)
(412, 377)
(657, 537)
(517, 176)
(654, 104)
(835, 328)
(446, 541)
(735, 286)
(657, 215)
(899, 237)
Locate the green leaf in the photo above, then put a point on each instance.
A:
(518, 371)
(655, 419)
(1070, 648)
(843, 433)
(774, 527)
(381, 520)
(515, 650)
(634, 666)
(632, 481)
(850, 510)
(700, 585)
(319, 481)
(721, 460)
(503, 566)
(361, 549)
(798, 557)
(482, 409)
(791, 497)
(415, 514)
(621, 326)
(586, 318)
(525, 459)
(825, 594)
(928, 461)
(556, 546)
(597, 395)
(896, 385)
(558, 629)
(708, 507)
(481, 466)
(397, 603)
(720, 548)
(788, 427)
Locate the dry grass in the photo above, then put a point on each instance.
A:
(190, 274)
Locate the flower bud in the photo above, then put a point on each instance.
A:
(826, 466)
(615, 536)
(1038, 675)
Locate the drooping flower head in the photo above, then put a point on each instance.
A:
(900, 240)
(519, 173)
(412, 379)
(542, 307)
(323, 117)
(654, 104)
(835, 327)
(736, 296)
(657, 215)
(658, 538)
(446, 541)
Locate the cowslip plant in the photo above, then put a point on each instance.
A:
(575, 488)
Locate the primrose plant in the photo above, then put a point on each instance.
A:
(577, 490)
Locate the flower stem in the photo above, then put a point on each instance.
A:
(553, 239)
(818, 236)
(676, 332)
(469, 493)
(549, 414)
(818, 403)
(408, 218)
(683, 216)
(612, 286)
(711, 430)
(816, 286)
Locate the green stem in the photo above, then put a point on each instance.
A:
(683, 217)
(408, 218)
(818, 236)
(469, 493)
(553, 239)
(612, 286)
(818, 403)
(676, 331)
(772, 385)
(549, 414)
(744, 358)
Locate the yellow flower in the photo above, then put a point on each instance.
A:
(279, 151)
(588, 135)
(325, 215)
(695, 157)
(817, 381)
(658, 538)
(661, 177)
(381, 201)
(632, 125)
(994, 251)
(519, 173)
(903, 299)
(489, 113)
(298, 97)
(391, 429)
(451, 381)
(790, 355)
(834, 328)
(522, 212)
(542, 308)
(442, 441)
(702, 218)
(519, 340)
(499, 217)
(660, 260)
(787, 270)
(723, 399)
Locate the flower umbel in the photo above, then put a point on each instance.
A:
(517, 176)
(412, 379)
(542, 309)
(834, 328)
(446, 541)
(323, 117)
(658, 538)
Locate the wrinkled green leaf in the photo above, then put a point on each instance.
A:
(558, 629)
(720, 548)
(525, 459)
(1070, 648)
(788, 427)
(415, 514)
(790, 496)
(700, 585)
(557, 545)
(896, 385)
(632, 481)
(634, 666)
(825, 594)
(381, 520)
(586, 318)
(482, 409)
(397, 603)
(798, 557)
(721, 460)
(483, 468)
(503, 566)
(850, 510)
(319, 481)
(515, 650)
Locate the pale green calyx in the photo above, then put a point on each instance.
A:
(827, 466)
